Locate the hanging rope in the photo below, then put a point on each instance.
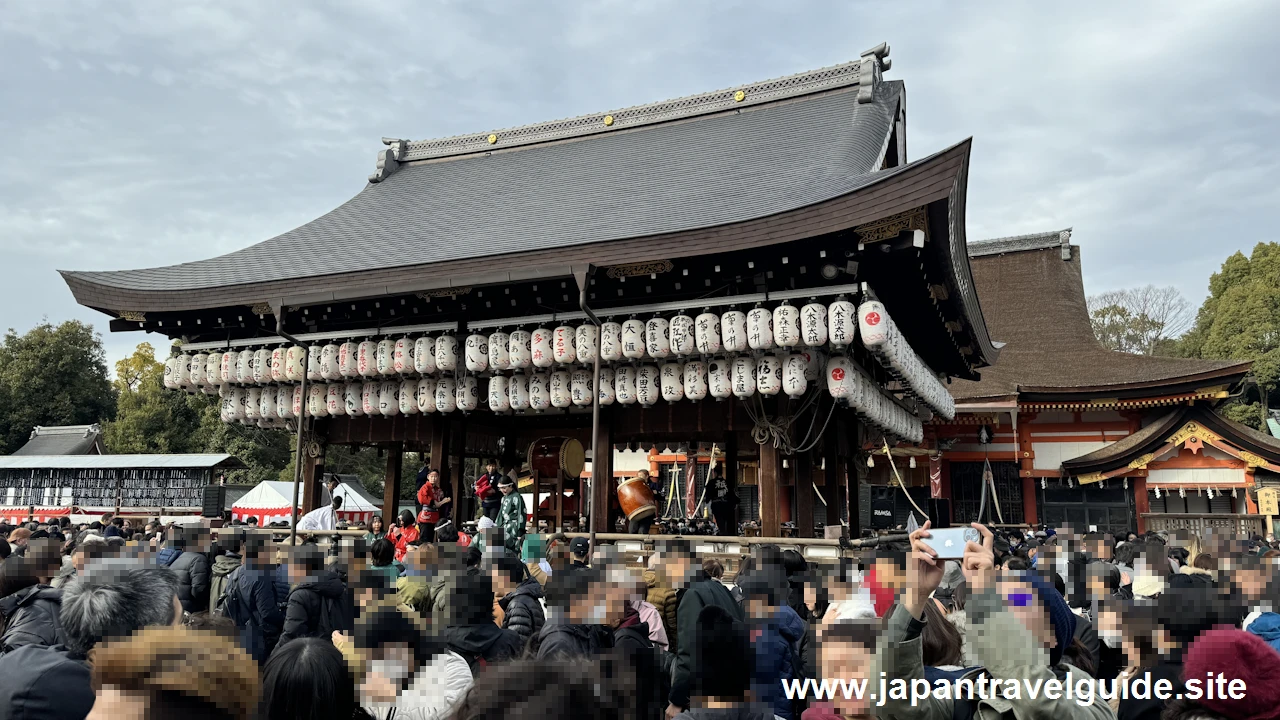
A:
(894, 466)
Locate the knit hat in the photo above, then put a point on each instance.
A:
(1237, 654)
(1060, 616)
(1148, 585)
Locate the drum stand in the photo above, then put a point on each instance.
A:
(555, 488)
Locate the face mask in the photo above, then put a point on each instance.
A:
(1112, 638)
(598, 615)
(394, 670)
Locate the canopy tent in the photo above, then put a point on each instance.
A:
(271, 501)
(15, 515)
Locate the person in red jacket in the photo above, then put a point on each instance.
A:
(404, 532)
(432, 499)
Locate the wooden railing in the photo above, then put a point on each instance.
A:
(1236, 525)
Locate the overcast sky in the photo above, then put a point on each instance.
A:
(135, 134)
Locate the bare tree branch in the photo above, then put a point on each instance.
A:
(1138, 320)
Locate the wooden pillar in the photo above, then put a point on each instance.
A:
(1141, 502)
(312, 473)
(453, 477)
(831, 476)
(855, 471)
(601, 473)
(391, 482)
(805, 477)
(439, 443)
(1029, 515)
(770, 467)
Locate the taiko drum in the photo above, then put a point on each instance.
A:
(636, 498)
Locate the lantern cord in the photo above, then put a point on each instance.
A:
(898, 477)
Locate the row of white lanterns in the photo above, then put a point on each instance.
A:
(881, 336)
(784, 328)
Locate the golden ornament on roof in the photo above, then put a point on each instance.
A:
(608, 119)
(493, 139)
(739, 96)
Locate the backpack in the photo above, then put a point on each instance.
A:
(231, 604)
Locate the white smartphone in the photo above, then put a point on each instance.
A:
(948, 543)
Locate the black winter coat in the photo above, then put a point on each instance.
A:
(651, 665)
(486, 641)
(572, 642)
(317, 606)
(522, 613)
(698, 596)
(192, 569)
(31, 618)
(262, 620)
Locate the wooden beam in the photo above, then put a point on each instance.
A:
(770, 467)
(312, 472)
(391, 482)
(601, 474)
(453, 476)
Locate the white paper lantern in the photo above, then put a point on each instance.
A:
(586, 341)
(233, 402)
(386, 357)
(267, 404)
(402, 356)
(813, 325)
(719, 381)
(743, 377)
(695, 379)
(624, 384)
(561, 395)
(317, 405)
(519, 350)
(706, 332)
(224, 405)
(253, 404)
(518, 392)
(760, 329)
(227, 367)
(580, 391)
(843, 380)
(295, 363)
(313, 363)
(284, 402)
(873, 323)
(539, 391)
(182, 371)
(276, 365)
(477, 353)
(815, 364)
(671, 381)
(610, 342)
(682, 335)
(244, 368)
(540, 342)
(299, 402)
(648, 384)
(426, 394)
(657, 338)
(446, 391)
(499, 393)
(733, 331)
(335, 399)
(408, 397)
(367, 358)
(842, 323)
(370, 395)
(353, 398)
(330, 368)
(261, 365)
(469, 392)
(499, 355)
(607, 395)
(769, 374)
(424, 356)
(389, 398)
(794, 383)
(171, 373)
(786, 326)
(197, 369)
(349, 359)
(213, 369)
(562, 345)
(446, 354)
(633, 339)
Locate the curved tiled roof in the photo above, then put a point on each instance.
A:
(702, 171)
(1033, 300)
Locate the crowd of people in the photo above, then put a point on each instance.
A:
(117, 619)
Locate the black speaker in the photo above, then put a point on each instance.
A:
(940, 512)
(215, 498)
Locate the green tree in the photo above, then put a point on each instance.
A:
(1141, 320)
(1240, 320)
(149, 418)
(52, 375)
(265, 451)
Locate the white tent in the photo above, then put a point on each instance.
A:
(271, 502)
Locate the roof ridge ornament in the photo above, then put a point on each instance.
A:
(389, 159)
(875, 62)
